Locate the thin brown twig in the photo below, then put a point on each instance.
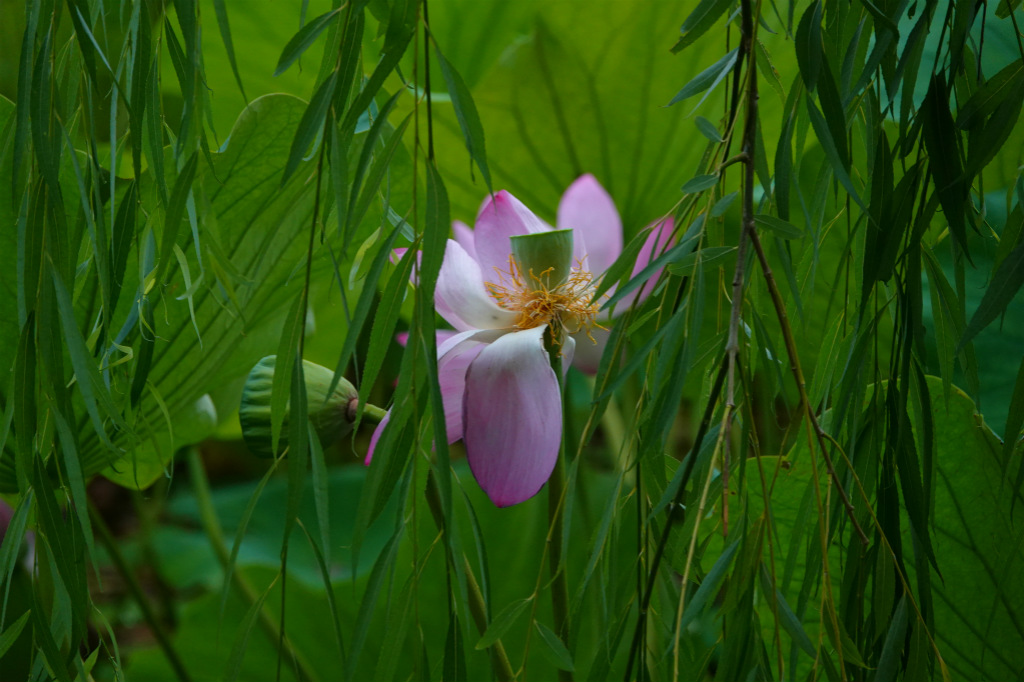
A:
(787, 334)
(746, 157)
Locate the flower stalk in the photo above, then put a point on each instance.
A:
(556, 518)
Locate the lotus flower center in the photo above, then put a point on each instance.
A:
(569, 305)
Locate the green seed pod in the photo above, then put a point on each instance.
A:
(548, 255)
(331, 416)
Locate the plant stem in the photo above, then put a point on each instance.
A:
(477, 606)
(688, 462)
(208, 516)
(798, 375)
(556, 520)
(110, 544)
(374, 414)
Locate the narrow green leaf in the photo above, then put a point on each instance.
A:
(832, 108)
(154, 131)
(986, 141)
(1002, 87)
(364, 304)
(1006, 7)
(700, 20)
(784, 154)
(708, 129)
(281, 385)
(789, 621)
(808, 45)
(321, 500)
(466, 113)
(768, 70)
(301, 41)
(637, 359)
(377, 172)
(699, 184)
(175, 212)
(892, 651)
(11, 634)
(677, 252)
(708, 78)
(75, 480)
(390, 473)
(709, 256)
(325, 578)
(25, 403)
(723, 204)
(243, 525)
(22, 126)
(381, 569)
(121, 242)
(782, 228)
(454, 667)
(1005, 284)
(366, 155)
(225, 35)
(435, 237)
(555, 650)
(389, 59)
(940, 139)
(140, 65)
(682, 471)
(10, 549)
(383, 330)
(502, 622)
(63, 552)
(147, 340)
(298, 445)
(93, 389)
(947, 317)
(234, 665)
(310, 125)
(86, 42)
(46, 148)
(709, 587)
(45, 641)
(348, 51)
(824, 135)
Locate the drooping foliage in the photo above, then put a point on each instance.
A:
(796, 456)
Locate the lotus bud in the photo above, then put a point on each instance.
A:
(331, 415)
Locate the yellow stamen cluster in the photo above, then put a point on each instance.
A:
(570, 305)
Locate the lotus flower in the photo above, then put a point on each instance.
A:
(517, 291)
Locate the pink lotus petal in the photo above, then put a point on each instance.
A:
(442, 335)
(451, 374)
(501, 218)
(464, 236)
(453, 359)
(451, 347)
(460, 296)
(513, 417)
(657, 241)
(588, 210)
(376, 437)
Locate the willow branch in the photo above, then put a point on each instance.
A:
(162, 639)
(477, 606)
(208, 517)
(794, 361)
